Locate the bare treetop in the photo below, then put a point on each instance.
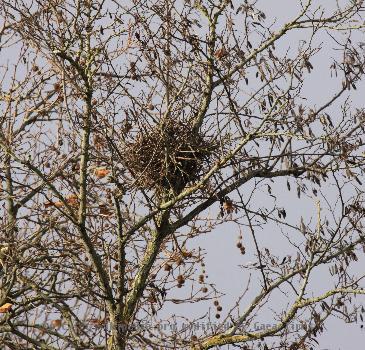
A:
(130, 129)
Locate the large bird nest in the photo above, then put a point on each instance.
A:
(167, 156)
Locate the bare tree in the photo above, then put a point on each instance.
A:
(131, 128)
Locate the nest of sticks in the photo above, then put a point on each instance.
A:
(168, 156)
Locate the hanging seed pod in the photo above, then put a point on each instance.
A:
(167, 267)
(57, 87)
(220, 53)
(180, 279)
